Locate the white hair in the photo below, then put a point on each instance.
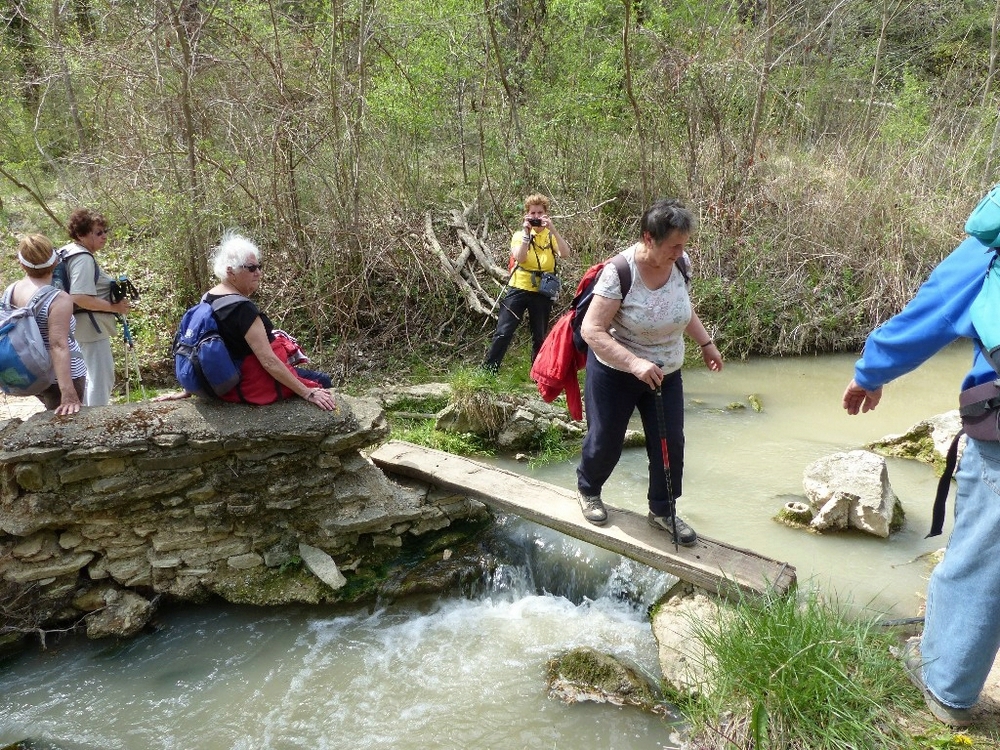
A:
(232, 251)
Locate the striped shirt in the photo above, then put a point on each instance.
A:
(77, 367)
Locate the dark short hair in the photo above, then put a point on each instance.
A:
(82, 222)
(666, 216)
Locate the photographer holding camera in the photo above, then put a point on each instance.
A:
(533, 284)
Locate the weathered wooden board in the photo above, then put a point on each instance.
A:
(709, 564)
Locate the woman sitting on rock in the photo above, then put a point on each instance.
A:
(53, 311)
(265, 373)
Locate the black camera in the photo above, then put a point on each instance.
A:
(535, 222)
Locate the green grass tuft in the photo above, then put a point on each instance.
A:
(423, 433)
(803, 674)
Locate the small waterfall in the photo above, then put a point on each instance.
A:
(455, 672)
(533, 559)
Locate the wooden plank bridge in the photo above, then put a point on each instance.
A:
(709, 564)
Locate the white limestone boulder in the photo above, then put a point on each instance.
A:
(684, 659)
(851, 490)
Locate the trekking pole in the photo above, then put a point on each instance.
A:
(129, 344)
(661, 422)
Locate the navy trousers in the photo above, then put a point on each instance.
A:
(610, 397)
(512, 308)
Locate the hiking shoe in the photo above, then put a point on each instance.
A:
(593, 508)
(913, 663)
(686, 537)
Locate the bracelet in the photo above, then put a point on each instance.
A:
(707, 343)
(311, 393)
(526, 238)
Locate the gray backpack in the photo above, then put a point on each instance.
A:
(25, 365)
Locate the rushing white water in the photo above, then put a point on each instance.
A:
(469, 673)
(452, 674)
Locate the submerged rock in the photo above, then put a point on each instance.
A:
(584, 674)
(796, 514)
(926, 441)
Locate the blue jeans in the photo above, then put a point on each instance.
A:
(962, 622)
(611, 396)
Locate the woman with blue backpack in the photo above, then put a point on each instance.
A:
(267, 361)
(53, 313)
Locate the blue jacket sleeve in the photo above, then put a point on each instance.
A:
(934, 318)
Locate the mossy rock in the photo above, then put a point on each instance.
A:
(796, 514)
(917, 444)
(584, 674)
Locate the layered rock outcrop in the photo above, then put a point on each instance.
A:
(186, 499)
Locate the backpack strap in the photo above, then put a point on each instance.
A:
(46, 292)
(620, 262)
(224, 300)
(944, 485)
(72, 251)
(684, 268)
(40, 295)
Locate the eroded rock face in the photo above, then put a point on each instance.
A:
(852, 490)
(191, 498)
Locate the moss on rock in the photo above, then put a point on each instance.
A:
(586, 674)
(795, 514)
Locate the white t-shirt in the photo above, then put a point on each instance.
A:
(650, 322)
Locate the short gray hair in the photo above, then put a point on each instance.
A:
(232, 251)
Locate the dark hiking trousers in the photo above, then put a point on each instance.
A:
(512, 308)
(320, 377)
(610, 397)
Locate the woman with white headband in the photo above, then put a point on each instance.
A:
(55, 322)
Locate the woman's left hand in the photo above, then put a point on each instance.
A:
(322, 398)
(68, 406)
(172, 396)
(712, 357)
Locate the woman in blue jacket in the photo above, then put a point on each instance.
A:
(961, 625)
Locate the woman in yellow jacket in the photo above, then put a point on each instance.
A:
(534, 249)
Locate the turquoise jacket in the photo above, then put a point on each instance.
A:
(937, 316)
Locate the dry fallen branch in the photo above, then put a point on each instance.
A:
(482, 253)
(474, 301)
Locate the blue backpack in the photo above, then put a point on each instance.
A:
(25, 366)
(202, 362)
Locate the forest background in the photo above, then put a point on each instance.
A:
(831, 150)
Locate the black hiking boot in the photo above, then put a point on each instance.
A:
(686, 537)
(593, 508)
